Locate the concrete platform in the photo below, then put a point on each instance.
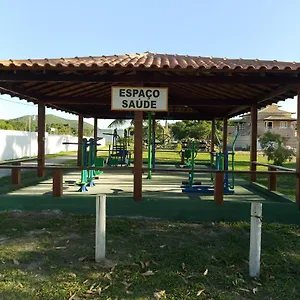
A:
(162, 198)
(161, 185)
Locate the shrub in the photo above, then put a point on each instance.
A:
(274, 148)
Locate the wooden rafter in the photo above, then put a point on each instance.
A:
(148, 77)
(173, 101)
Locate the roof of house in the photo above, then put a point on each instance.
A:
(274, 109)
(279, 118)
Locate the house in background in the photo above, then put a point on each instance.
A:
(270, 118)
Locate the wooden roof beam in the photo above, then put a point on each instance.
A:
(13, 91)
(148, 77)
(172, 101)
(238, 110)
(275, 93)
(278, 92)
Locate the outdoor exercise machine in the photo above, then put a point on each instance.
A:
(88, 159)
(197, 187)
(185, 154)
(186, 151)
(221, 160)
(118, 153)
(191, 149)
(152, 143)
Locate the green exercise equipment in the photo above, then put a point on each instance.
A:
(221, 161)
(88, 159)
(190, 153)
(118, 153)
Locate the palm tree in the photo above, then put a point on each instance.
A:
(118, 123)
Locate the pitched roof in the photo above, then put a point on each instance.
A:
(274, 109)
(198, 87)
(154, 60)
(281, 118)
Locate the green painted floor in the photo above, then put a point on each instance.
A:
(162, 198)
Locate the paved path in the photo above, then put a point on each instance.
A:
(50, 161)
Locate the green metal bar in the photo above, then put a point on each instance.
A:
(232, 156)
(222, 161)
(84, 158)
(232, 168)
(218, 140)
(149, 144)
(235, 138)
(191, 177)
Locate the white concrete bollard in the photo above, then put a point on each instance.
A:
(100, 228)
(255, 239)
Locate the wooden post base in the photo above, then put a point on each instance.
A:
(219, 188)
(16, 175)
(272, 184)
(57, 189)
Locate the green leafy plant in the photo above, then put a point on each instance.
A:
(274, 148)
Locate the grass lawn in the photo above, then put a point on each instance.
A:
(62, 153)
(51, 256)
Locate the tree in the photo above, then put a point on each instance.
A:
(6, 125)
(162, 134)
(274, 148)
(191, 129)
(119, 122)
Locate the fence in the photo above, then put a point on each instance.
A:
(17, 144)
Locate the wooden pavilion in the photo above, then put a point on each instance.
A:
(199, 88)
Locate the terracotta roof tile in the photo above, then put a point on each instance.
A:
(153, 60)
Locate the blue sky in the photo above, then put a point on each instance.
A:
(264, 29)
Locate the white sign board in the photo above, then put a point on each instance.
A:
(139, 98)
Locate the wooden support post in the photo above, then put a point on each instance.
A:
(212, 141)
(272, 184)
(57, 187)
(255, 239)
(298, 151)
(100, 228)
(95, 134)
(80, 137)
(138, 155)
(16, 174)
(253, 145)
(219, 188)
(41, 139)
(225, 122)
(182, 157)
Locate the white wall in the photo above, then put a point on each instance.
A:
(243, 142)
(16, 144)
(109, 138)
